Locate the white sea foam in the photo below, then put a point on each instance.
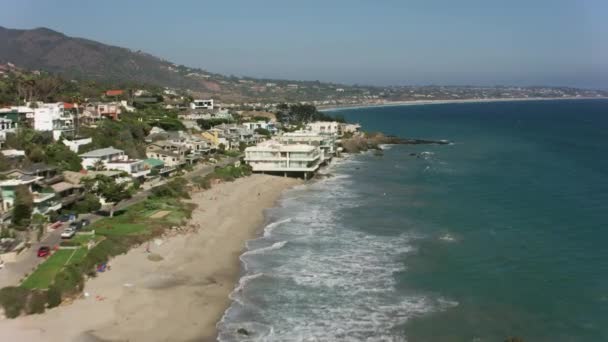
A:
(274, 246)
(271, 226)
(331, 281)
(242, 283)
(447, 238)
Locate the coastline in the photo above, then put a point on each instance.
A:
(435, 102)
(180, 298)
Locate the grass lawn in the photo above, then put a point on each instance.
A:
(136, 218)
(83, 238)
(116, 228)
(46, 272)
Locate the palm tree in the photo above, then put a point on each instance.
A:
(99, 165)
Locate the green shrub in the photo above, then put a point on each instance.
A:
(176, 188)
(36, 303)
(13, 300)
(90, 203)
(53, 296)
(202, 182)
(69, 280)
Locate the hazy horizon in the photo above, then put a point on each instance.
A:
(549, 43)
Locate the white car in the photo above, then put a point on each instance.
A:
(68, 233)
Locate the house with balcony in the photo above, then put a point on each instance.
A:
(44, 181)
(193, 144)
(43, 198)
(235, 134)
(325, 142)
(136, 168)
(95, 111)
(68, 193)
(274, 157)
(172, 155)
(6, 126)
(101, 156)
(111, 158)
(269, 126)
(54, 117)
(19, 115)
(325, 127)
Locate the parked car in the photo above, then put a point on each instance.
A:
(76, 225)
(44, 251)
(64, 218)
(68, 233)
(85, 222)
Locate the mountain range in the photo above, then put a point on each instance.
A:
(83, 59)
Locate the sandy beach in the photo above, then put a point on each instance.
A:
(179, 298)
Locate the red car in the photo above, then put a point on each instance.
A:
(44, 251)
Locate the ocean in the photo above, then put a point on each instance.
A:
(502, 233)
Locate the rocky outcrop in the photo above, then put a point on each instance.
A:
(373, 141)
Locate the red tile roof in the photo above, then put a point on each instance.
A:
(67, 105)
(114, 92)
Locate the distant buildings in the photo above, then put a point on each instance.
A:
(201, 104)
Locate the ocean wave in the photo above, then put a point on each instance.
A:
(269, 227)
(241, 285)
(326, 278)
(274, 246)
(447, 238)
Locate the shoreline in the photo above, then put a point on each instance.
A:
(335, 108)
(180, 298)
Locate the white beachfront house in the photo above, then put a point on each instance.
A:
(326, 142)
(114, 159)
(201, 104)
(325, 127)
(53, 117)
(274, 157)
(270, 126)
(351, 128)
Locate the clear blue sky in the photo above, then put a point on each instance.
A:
(486, 42)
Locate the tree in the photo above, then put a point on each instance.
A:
(242, 146)
(60, 155)
(22, 211)
(263, 131)
(39, 220)
(4, 163)
(99, 165)
(221, 147)
(107, 188)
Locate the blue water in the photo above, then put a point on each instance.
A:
(503, 233)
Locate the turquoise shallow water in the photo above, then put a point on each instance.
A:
(501, 234)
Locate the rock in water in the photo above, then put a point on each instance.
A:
(243, 331)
